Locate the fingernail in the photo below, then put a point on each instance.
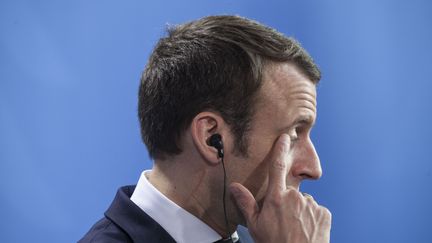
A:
(285, 139)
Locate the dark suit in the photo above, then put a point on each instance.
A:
(124, 221)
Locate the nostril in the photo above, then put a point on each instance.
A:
(310, 176)
(305, 176)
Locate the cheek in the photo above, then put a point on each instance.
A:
(257, 180)
(256, 168)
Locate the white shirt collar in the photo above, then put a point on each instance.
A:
(180, 224)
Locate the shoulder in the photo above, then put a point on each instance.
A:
(124, 221)
(105, 231)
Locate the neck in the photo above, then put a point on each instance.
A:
(195, 187)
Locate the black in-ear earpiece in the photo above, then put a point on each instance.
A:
(216, 141)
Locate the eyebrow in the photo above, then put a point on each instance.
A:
(304, 120)
(301, 120)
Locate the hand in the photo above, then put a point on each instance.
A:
(286, 214)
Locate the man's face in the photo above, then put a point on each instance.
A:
(286, 104)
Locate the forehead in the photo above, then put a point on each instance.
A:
(286, 89)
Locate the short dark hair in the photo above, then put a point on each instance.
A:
(215, 64)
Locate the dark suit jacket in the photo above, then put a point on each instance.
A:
(124, 221)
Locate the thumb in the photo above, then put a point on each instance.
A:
(245, 202)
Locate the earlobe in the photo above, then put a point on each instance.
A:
(203, 126)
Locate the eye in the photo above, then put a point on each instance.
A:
(294, 134)
(299, 129)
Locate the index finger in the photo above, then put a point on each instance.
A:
(280, 164)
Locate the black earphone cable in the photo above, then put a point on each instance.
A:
(223, 198)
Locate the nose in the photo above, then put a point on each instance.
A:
(306, 163)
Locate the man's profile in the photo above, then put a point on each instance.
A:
(255, 89)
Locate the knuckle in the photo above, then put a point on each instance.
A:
(293, 194)
(292, 191)
(308, 197)
(326, 212)
(276, 200)
(310, 201)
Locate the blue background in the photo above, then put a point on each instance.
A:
(69, 133)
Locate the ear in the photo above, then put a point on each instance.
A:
(203, 126)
